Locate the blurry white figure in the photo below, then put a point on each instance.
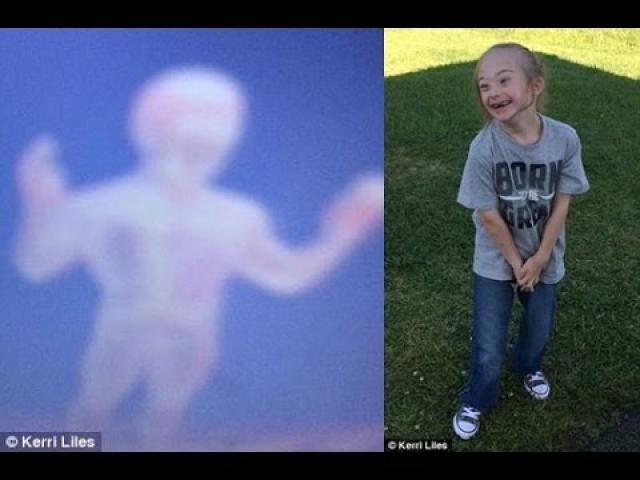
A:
(161, 242)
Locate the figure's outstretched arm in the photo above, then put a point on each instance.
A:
(347, 221)
(45, 241)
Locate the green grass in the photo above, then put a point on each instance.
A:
(593, 359)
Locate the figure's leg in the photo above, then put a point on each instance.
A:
(178, 366)
(111, 367)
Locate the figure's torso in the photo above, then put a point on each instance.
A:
(155, 254)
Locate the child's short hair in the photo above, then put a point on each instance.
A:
(532, 67)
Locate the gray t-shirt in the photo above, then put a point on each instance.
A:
(520, 181)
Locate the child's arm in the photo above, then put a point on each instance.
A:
(532, 269)
(498, 230)
(287, 270)
(44, 243)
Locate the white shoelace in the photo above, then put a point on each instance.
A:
(471, 412)
(537, 376)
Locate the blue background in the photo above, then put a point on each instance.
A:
(315, 121)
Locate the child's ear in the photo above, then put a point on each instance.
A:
(538, 86)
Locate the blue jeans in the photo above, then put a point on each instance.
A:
(492, 304)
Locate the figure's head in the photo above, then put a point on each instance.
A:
(185, 121)
(508, 80)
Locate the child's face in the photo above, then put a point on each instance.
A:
(504, 89)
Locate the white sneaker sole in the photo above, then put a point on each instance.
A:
(535, 395)
(460, 433)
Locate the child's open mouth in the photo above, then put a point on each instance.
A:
(500, 105)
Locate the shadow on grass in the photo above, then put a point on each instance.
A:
(593, 360)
